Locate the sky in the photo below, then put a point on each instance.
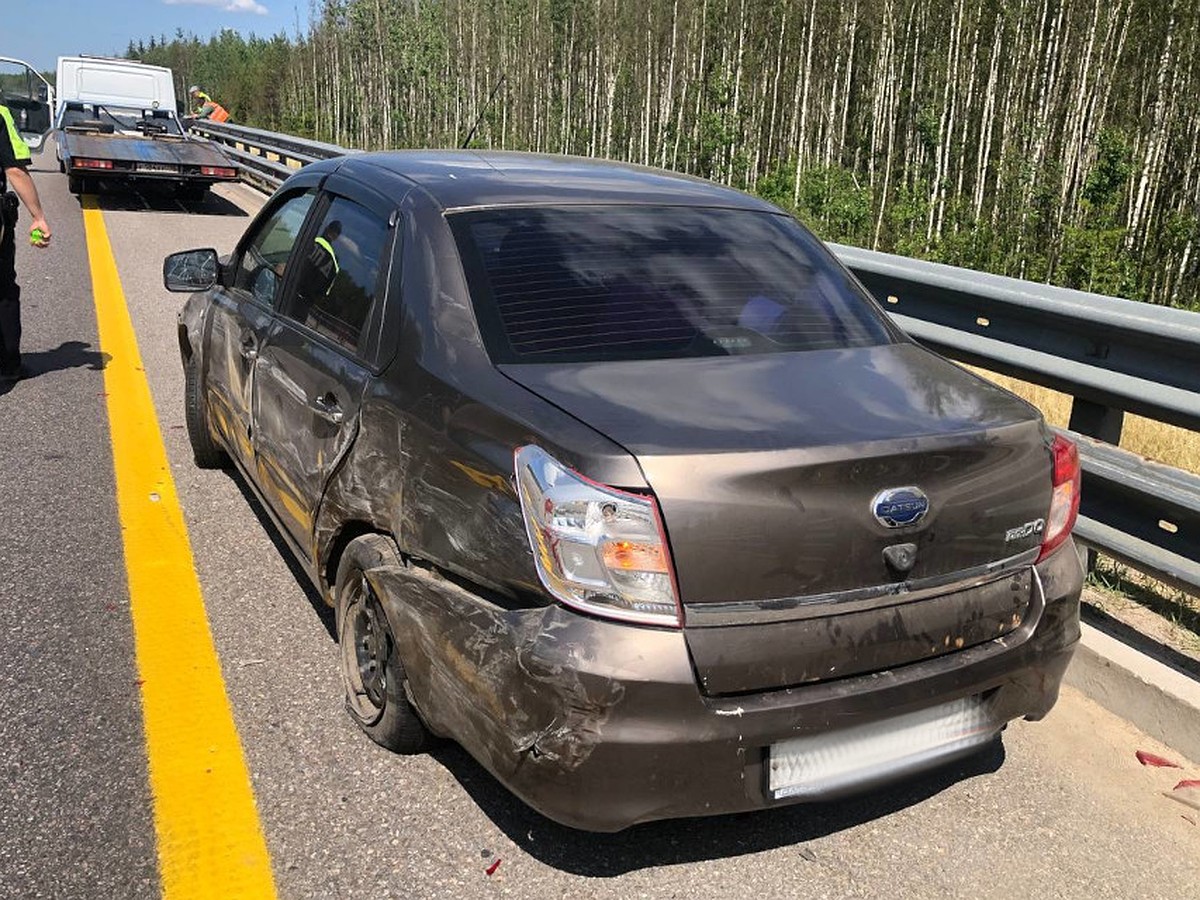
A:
(105, 27)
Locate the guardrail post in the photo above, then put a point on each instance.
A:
(1103, 423)
(1096, 420)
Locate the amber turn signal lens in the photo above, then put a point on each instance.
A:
(631, 556)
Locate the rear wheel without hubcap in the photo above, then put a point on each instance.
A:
(367, 639)
(371, 668)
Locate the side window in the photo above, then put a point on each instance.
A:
(260, 270)
(337, 284)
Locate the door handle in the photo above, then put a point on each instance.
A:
(327, 408)
(249, 348)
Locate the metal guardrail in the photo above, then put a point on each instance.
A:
(1112, 356)
(1139, 512)
(265, 159)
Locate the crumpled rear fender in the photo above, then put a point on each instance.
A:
(509, 685)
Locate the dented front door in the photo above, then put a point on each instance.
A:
(243, 310)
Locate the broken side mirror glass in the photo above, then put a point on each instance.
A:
(191, 271)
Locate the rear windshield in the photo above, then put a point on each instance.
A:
(587, 284)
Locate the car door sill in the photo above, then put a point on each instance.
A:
(295, 549)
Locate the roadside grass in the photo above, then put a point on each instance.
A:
(1125, 594)
(1118, 590)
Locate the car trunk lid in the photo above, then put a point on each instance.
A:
(773, 475)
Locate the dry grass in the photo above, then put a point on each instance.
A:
(1167, 444)
(1148, 606)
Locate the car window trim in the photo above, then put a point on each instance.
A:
(373, 325)
(263, 217)
(496, 342)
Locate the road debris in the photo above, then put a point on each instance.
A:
(491, 870)
(1187, 793)
(1151, 759)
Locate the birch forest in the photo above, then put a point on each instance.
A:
(1053, 140)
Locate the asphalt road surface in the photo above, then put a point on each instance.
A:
(1062, 809)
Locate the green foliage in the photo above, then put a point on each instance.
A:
(905, 219)
(242, 74)
(832, 202)
(1094, 255)
(1094, 259)
(928, 126)
(1106, 182)
(779, 184)
(835, 205)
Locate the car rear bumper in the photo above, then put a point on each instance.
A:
(600, 725)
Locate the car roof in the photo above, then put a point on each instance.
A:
(464, 179)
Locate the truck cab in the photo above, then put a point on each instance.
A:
(118, 82)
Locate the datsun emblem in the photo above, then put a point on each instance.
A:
(900, 507)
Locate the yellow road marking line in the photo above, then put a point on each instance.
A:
(210, 842)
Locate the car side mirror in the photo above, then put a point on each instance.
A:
(191, 271)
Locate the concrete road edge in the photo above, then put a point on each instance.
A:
(1161, 701)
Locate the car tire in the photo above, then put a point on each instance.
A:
(205, 450)
(372, 672)
(77, 184)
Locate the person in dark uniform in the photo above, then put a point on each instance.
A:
(14, 159)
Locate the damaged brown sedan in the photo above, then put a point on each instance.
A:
(621, 481)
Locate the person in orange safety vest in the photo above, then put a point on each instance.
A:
(206, 107)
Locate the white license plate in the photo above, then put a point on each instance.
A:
(825, 764)
(158, 167)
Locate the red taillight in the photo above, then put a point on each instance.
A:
(92, 163)
(218, 172)
(1064, 501)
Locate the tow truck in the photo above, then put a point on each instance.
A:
(117, 121)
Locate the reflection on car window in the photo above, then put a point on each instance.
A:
(639, 282)
(262, 264)
(336, 287)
